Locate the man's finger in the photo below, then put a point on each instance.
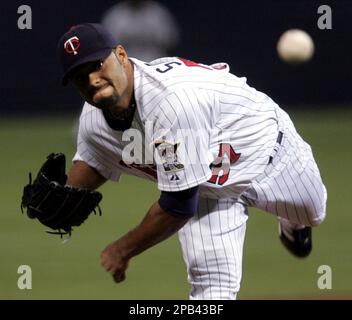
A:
(119, 276)
(106, 264)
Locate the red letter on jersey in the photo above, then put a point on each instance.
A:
(222, 163)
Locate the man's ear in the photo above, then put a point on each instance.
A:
(121, 54)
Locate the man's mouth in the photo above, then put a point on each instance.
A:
(98, 90)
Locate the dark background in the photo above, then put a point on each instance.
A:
(242, 33)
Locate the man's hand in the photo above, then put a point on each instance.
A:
(156, 226)
(113, 261)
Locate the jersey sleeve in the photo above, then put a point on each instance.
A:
(181, 144)
(91, 147)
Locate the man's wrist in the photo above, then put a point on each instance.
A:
(124, 247)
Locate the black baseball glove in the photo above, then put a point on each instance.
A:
(55, 205)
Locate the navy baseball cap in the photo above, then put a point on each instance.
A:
(81, 44)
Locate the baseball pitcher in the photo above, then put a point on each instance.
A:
(214, 145)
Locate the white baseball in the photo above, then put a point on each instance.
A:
(295, 46)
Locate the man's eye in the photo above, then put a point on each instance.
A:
(98, 65)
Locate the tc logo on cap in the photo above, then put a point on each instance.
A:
(72, 45)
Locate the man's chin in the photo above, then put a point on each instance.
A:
(106, 103)
(116, 110)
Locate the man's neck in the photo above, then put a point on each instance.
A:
(126, 114)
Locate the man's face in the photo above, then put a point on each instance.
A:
(104, 83)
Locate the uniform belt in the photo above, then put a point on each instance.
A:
(278, 142)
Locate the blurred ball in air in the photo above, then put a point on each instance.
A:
(295, 46)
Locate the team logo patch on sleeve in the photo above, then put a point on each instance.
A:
(168, 155)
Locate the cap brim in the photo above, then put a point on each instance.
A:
(102, 54)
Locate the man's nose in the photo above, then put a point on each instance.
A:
(94, 79)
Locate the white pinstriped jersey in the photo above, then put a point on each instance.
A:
(222, 131)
